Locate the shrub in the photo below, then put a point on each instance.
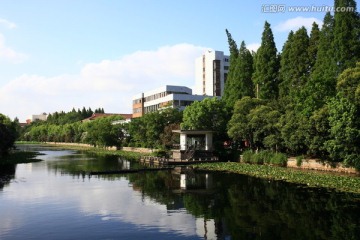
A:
(247, 156)
(299, 160)
(266, 156)
(257, 158)
(279, 159)
(161, 153)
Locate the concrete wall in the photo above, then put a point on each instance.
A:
(140, 150)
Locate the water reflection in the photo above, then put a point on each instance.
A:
(171, 204)
(7, 173)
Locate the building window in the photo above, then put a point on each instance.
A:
(226, 67)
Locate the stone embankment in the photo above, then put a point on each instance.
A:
(316, 164)
(311, 164)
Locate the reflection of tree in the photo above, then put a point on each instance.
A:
(78, 164)
(241, 206)
(157, 186)
(7, 173)
(261, 210)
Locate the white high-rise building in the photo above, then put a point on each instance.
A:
(211, 71)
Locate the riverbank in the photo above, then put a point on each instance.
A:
(95, 150)
(345, 183)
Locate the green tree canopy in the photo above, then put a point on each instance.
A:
(346, 35)
(242, 84)
(8, 134)
(266, 66)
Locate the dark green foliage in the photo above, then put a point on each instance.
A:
(238, 126)
(299, 160)
(264, 157)
(294, 132)
(265, 76)
(153, 130)
(209, 114)
(285, 67)
(229, 84)
(102, 132)
(241, 78)
(295, 65)
(8, 134)
(344, 115)
(247, 155)
(313, 45)
(346, 35)
(322, 81)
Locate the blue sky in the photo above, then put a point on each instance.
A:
(56, 55)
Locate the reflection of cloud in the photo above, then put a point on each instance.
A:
(109, 200)
(109, 84)
(296, 23)
(8, 219)
(123, 203)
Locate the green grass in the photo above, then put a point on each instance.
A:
(101, 151)
(26, 142)
(345, 183)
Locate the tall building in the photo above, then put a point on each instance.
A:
(211, 73)
(164, 97)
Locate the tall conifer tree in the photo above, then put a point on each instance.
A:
(242, 77)
(313, 44)
(346, 35)
(266, 67)
(234, 53)
(285, 67)
(322, 82)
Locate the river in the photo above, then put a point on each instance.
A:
(52, 199)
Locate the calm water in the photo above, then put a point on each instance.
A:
(53, 200)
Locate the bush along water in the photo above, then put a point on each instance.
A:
(264, 157)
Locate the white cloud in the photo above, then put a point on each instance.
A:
(253, 46)
(7, 23)
(296, 23)
(109, 84)
(7, 54)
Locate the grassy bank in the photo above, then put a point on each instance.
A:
(101, 151)
(311, 179)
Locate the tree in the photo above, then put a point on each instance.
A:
(149, 130)
(209, 114)
(285, 67)
(295, 65)
(7, 134)
(344, 119)
(234, 53)
(242, 84)
(102, 132)
(344, 144)
(346, 35)
(313, 45)
(266, 66)
(238, 126)
(263, 121)
(321, 85)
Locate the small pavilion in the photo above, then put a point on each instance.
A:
(194, 145)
